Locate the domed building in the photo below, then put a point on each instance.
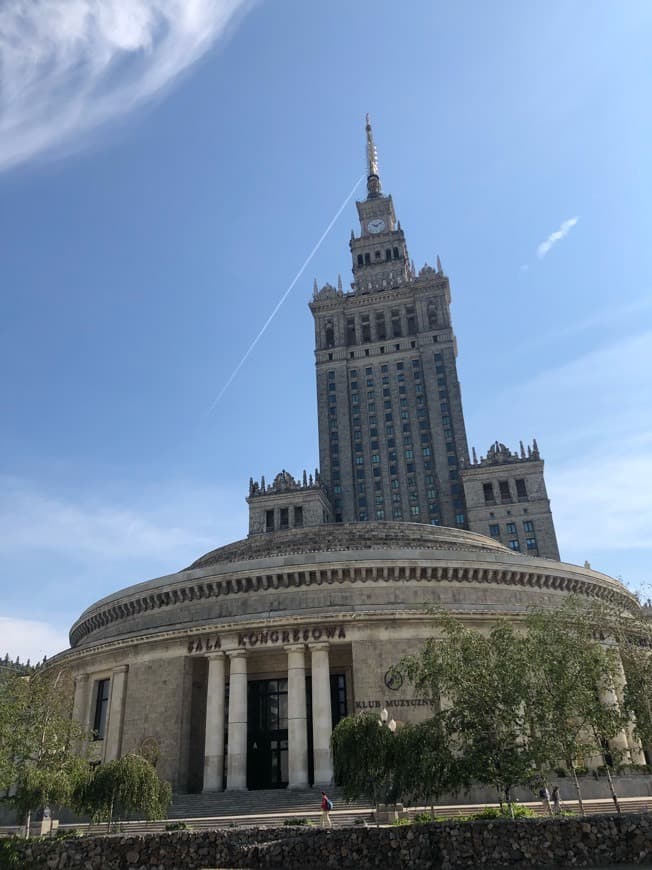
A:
(234, 671)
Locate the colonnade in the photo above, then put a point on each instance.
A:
(236, 776)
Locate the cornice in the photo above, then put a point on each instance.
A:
(377, 570)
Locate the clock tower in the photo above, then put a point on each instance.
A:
(392, 439)
(380, 257)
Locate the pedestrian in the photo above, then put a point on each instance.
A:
(544, 797)
(556, 801)
(326, 807)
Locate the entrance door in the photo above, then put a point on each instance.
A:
(267, 734)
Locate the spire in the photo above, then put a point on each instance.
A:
(373, 178)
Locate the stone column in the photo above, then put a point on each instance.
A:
(636, 754)
(80, 707)
(618, 743)
(297, 718)
(236, 775)
(113, 740)
(322, 720)
(214, 741)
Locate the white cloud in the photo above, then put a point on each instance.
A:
(553, 238)
(186, 525)
(68, 66)
(603, 502)
(30, 639)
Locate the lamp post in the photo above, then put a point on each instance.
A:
(385, 814)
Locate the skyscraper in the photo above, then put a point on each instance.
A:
(391, 428)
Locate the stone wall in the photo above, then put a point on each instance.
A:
(523, 845)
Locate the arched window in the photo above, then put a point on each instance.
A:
(432, 314)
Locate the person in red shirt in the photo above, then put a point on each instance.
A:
(326, 807)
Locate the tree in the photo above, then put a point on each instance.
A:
(125, 786)
(364, 758)
(38, 765)
(574, 675)
(481, 684)
(426, 766)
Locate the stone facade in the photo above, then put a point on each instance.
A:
(391, 426)
(506, 498)
(287, 504)
(319, 614)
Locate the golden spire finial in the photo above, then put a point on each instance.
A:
(373, 178)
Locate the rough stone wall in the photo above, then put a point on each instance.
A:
(523, 845)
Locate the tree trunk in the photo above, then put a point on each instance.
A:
(614, 796)
(28, 823)
(577, 789)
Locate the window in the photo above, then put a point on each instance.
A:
(426, 451)
(381, 332)
(531, 543)
(361, 488)
(362, 502)
(411, 321)
(494, 530)
(101, 709)
(329, 334)
(395, 315)
(388, 253)
(359, 460)
(377, 255)
(269, 521)
(510, 528)
(460, 519)
(395, 484)
(395, 252)
(367, 258)
(285, 521)
(415, 510)
(521, 491)
(375, 457)
(505, 493)
(409, 454)
(365, 328)
(397, 513)
(514, 545)
(488, 490)
(370, 394)
(380, 514)
(298, 514)
(528, 526)
(350, 330)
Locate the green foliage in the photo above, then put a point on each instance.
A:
(178, 826)
(300, 822)
(365, 758)
(38, 765)
(122, 787)
(11, 855)
(400, 822)
(481, 684)
(423, 818)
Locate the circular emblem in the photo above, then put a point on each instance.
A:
(393, 680)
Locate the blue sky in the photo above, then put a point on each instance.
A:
(165, 169)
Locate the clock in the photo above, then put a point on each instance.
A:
(377, 225)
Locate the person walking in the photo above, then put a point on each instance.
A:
(326, 807)
(556, 801)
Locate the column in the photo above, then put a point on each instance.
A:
(214, 745)
(236, 775)
(297, 718)
(322, 721)
(618, 743)
(80, 708)
(636, 754)
(113, 740)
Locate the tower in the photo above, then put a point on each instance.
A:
(506, 499)
(391, 429)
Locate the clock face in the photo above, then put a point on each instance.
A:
(376, 226)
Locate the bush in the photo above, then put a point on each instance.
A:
(560, 772)
(10, 854)
(581, 770)
(423, 818)
(178, 826)
(300, 822)
(403, 821)
(520, 812)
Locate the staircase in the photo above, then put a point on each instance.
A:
(265, 808)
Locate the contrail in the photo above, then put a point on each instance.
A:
(283, 298)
